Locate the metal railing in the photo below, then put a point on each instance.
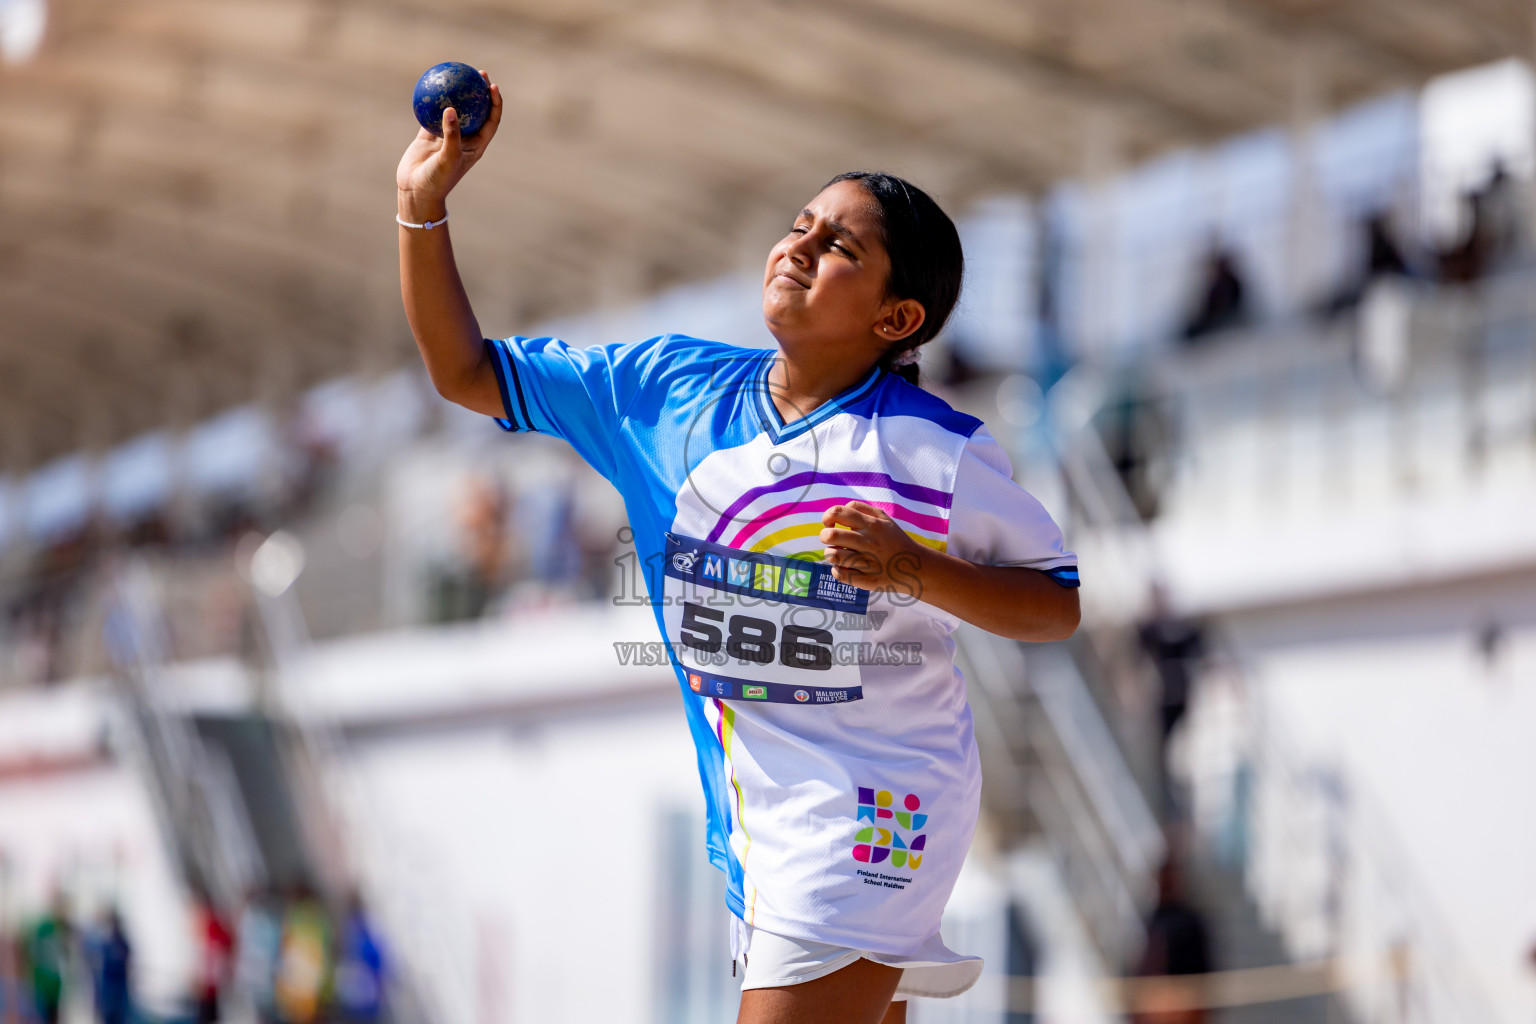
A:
(196, 794)
(1057, 769)
(1321, 858)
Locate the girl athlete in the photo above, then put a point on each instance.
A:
(815, 528)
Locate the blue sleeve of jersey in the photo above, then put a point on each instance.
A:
(577, 394)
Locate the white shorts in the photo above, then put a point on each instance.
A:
(776, 961)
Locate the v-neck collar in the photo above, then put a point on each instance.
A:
(777, 429)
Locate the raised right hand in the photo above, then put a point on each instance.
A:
(432, 166)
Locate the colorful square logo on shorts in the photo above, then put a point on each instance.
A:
(755, 692)
(714, 567)
(883, 838)
(695, 683)
(767, 577)
(797, 582)
(740, 572)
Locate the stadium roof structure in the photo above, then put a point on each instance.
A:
(195, 195)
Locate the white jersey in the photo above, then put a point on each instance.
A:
(833, 735)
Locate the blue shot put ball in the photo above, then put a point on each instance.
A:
(456, 85)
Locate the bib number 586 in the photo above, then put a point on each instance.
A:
(748, 638)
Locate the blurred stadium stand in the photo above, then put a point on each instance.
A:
(276, 619)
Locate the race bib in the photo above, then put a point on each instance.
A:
(756, 627)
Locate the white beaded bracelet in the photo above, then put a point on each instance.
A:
(428, 225)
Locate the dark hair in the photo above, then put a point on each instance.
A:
(926, 260)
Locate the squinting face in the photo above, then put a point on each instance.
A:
(825, 283)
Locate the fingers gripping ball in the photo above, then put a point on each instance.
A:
(456, 85)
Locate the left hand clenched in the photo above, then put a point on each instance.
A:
(868, 550)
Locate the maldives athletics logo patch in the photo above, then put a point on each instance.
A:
(891, 835)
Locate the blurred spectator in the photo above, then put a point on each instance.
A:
(11, 986)
(360, 968)
(1178, 943)
(1467, 260)
(1174, 644)
(304, 961)
(313, 462)
(465, 590)
(1498, 215)
(1023, 959)
(597, 538)
(548, 521)
(1382, 257)
(1051, 359)
(1137, 436)
(484, 518)
(215, 949)
(37, 650)
(259, 938)
(149, 530)
(46, 951)
(111, 966)
(1496, 237)
(1223, 301)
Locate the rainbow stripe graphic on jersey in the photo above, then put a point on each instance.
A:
(725, 730)
(763, 520)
